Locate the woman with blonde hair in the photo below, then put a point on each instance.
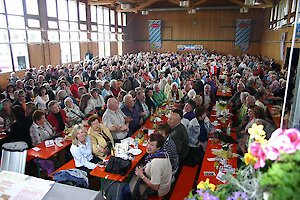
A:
(81, 150)
(101, 138)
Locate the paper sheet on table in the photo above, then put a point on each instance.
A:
(129, 141)
(157, 119)
(15, 186)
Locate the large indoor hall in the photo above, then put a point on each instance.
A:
(149, 99)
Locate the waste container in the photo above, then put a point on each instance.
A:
(14, 156)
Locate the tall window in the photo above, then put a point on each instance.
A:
(13, 36)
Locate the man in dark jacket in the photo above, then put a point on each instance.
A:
(179, 134)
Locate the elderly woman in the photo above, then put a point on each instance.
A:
(175, 94)
(101, 138)
(81, 150)
(243, 110)
(7, 114)
(72, 111)
(41, 129)
(157, 173)
(95, 103)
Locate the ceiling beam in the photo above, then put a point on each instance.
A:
(198, 3)
(174, 1)
(269, 2)
(139, 7)
(238, 2)
(101, 2)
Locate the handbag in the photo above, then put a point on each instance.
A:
(118, 165)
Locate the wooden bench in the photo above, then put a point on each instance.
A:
(184, 183)
(68, 165)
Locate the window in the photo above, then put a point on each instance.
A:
(20, 56)
(82, 12)
(16, 22)
(51, 8)
(34, 36)
(65, 52)
(14, 7)
(282, 14)
(93, 13)
(73, 10)
(32, 7)
(124, 16)
(5, 58)
(3, 21)
(1, 6)
(53, 36)
(62, 9)
(33, 23)
(75, 51)
(106, 16)
(112, 17)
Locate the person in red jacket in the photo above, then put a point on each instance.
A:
(74, 87)
(57, 117)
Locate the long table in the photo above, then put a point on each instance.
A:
(211, 166)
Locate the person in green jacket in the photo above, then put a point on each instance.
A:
(158, 95)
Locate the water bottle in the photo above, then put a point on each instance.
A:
(228, 130)
(136, 143)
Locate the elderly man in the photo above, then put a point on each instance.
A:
(158, 95)
(133, 117)
(114, 120)
(209, 99)
(141, 106)
(179, 134)
(235, 101)
(57, 117)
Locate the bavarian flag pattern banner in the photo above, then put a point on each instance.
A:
(155, 34)
(242, 36)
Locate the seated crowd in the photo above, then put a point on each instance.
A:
(125, 91)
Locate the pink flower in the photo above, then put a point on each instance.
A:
(271, 153)
(257, 151)
(287, 141)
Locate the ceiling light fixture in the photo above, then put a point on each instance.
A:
(257, 2)
(192, 11)
(184, 4)
(249, 2)
(145, 12)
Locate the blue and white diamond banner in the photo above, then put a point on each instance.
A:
(155, 34)
(242, 35)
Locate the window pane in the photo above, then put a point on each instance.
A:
(62, 9)
(52, 24)
(74, 36)
(94, 28)
(74, 26)
(64, 36)
(82, 11)
(101, 49)
(124, 16)
(107, 34)
(1, 6)
(112, 17)
(73, 10)
(107, 49)
(106, 16)
(32, 7)
(34, 36)
(75, 51)
(119, 19)
(93, 13)
(83, 27)
(94, 36)
(100, 36)
(3, 35)
(3, 21)
(16, 22)
(33, 23)
(112, 35)
(53, 36)
(51, 8)
(17, 36)
(5, 58)
(83, 36)
(20, 56)
(63, 25)
(294, 6)
(65, 52)
(99, 15)
(14, 7)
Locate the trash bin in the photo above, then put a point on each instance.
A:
(14, 157)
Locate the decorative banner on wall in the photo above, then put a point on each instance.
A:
(155, 34)
(189, 47)
(242, 35)
(282, 42)
(298, 30)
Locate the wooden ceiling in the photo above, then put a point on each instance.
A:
(139, 5)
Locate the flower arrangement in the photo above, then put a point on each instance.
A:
(271, 170)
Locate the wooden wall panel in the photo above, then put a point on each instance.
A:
(94, 48)
(114, 48)
(36, 55)
(214, 29)
(55, 56)
(84, 48)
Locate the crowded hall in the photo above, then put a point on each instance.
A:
(149, 99)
